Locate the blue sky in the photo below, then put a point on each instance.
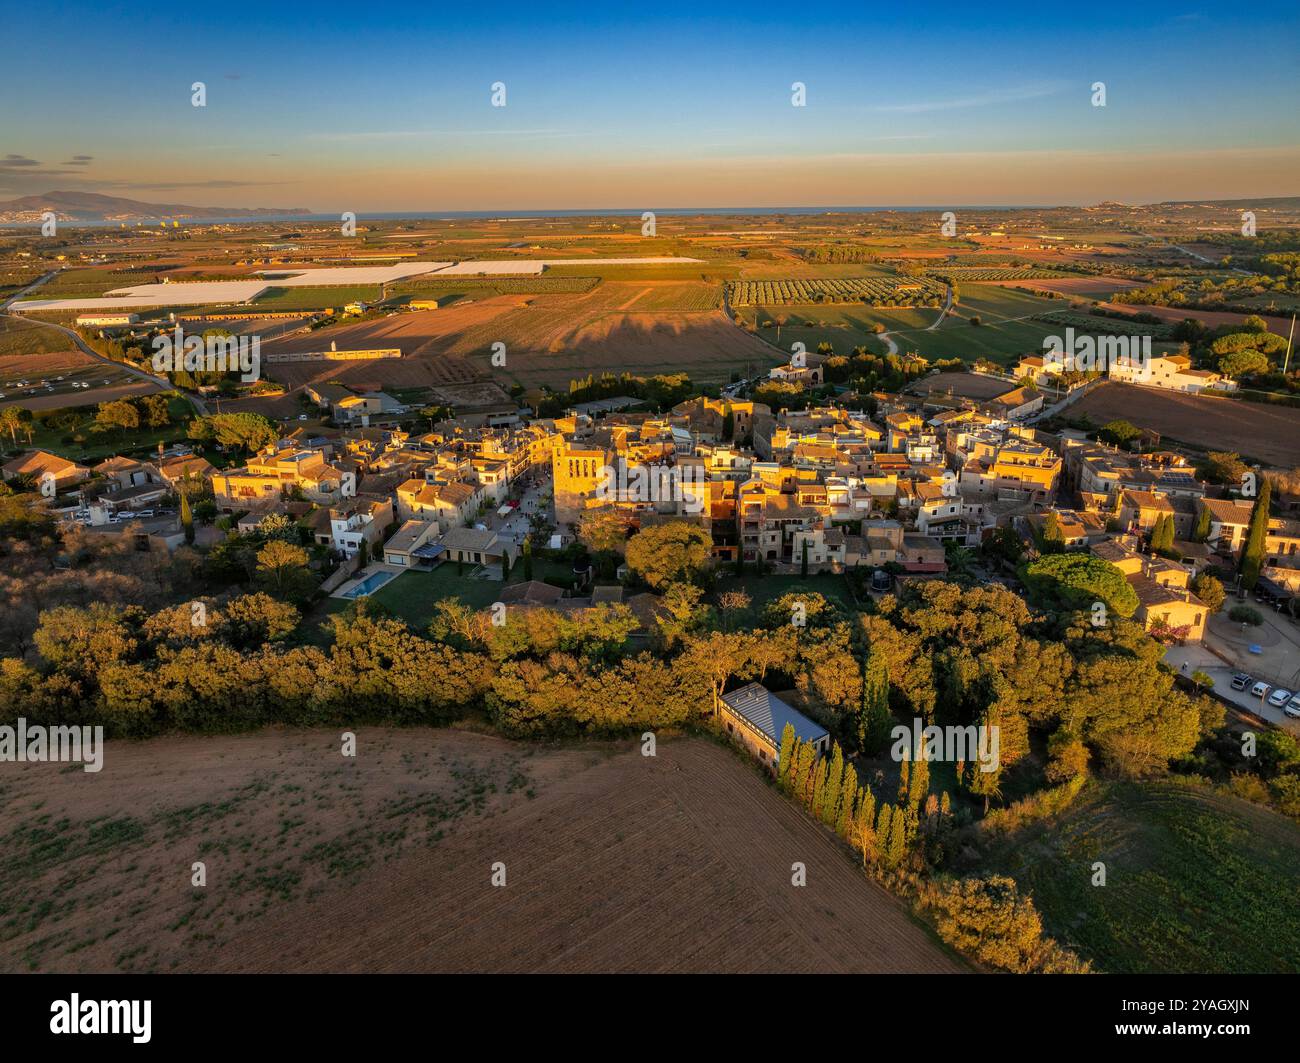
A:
(345, 107)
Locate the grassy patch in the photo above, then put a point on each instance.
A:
(1195, 881)
(767, 588)
(317, 298)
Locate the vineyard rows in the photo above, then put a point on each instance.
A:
(986, 273)
(873, 291)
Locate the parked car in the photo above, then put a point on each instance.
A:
(1293, 707)
(1259, 690)
(1279, 697)
(1240, 681)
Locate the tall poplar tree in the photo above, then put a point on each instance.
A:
(1252, 555)
(788, 741)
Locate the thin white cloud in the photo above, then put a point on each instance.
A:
(416, 134)
(983, 99)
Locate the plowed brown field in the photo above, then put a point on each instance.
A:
(641, 327)
(614, 862)
(1270, 434)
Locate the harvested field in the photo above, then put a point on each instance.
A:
(614, 861)
(1270, 434)
(1210, 318)
(30, 340)
(642, 327)
(962, 385)
(108, 382)
(1084, 287)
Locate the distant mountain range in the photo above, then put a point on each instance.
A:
(91, 206)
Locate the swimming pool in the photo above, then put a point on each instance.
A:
(369, 585)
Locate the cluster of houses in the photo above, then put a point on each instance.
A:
(1173, 372)
(832, 488)
(826, 489)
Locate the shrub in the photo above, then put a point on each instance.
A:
(1244, 614)
(986, 918)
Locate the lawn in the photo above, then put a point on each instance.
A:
(767, 588)
(96, 445)
(412, 595)
(1195, 882)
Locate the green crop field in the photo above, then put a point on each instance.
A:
(1104, 326)
(1195, 882)
(317, 298)
(844, 328)
(990, 301)
(78, 283)
(1003, 342)
(714, 272)
(19, 337)
(478, 287)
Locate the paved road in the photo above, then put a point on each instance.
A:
(1202, 258)
(1221, 658)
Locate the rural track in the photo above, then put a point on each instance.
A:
(889, 338)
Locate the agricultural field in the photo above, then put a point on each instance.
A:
(965, 274)
(479, 287)
(398, 845)
(871, 291)
(87, 283)
(1195, 882)
(53, 379)
(1100, 287)
(1103, 326)
(1002, 342)
(1209, 318)
(961, 385)
(73, 435)
(278, 299)
(843, 327)
(643, 327)
(994, 302)
(19, 337)
(1266, 433)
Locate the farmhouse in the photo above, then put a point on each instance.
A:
(756, 718)
(1172, 371)
(1015, 405)
(44, 467)
(1038, 369)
